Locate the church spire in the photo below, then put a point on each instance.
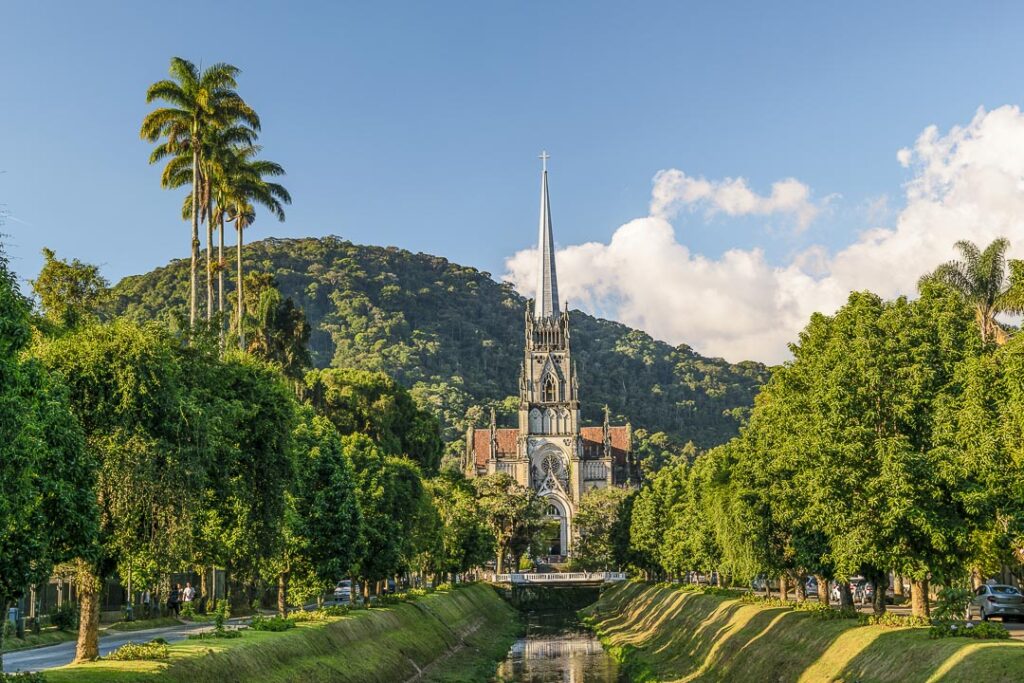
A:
(546, 303)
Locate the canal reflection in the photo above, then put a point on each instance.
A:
(558, 649)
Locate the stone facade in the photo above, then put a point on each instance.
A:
(549, 451)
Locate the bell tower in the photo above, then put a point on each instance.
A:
(549, 391)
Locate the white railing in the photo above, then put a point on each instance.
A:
(560, 577)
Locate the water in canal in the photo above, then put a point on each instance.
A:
(557, 648)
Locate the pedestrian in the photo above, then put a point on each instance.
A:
(145, 603)
(174, 599)
(189, 593)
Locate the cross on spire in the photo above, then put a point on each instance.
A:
(544, 156)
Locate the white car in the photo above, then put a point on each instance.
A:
(997, 600)
(343, 591)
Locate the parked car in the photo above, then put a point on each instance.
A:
(811, 586)
(997, 600)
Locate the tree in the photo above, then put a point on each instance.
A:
(980, 279)
(281, 333)
(593, 525)
(127, 389)
(323, 523)
(388, 489)
(513, 514)
(245, 185)
(70, 293)
(47, 505)
(198, 100)
(372, 403)
(463, 539)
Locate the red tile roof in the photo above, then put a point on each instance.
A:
(506, 437)
(593, 440)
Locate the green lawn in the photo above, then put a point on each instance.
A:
(664, 634)
(48, 636)
(472, 625)
(143, 624)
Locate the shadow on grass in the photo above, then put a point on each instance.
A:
(711, 638)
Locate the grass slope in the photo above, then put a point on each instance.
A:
(50, 636)
(664, 634)
(452, 636)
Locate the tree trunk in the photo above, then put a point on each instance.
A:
(203, 588)
(220, 273)
(845, 596)
(975, 578)
(897, 586)
(801, 588)
(783, 587)
(209, 253)
(88, 648)
(822, 590)
(919, 598)
(881, 581)
(194, 273)
(282, 594)
(239, 285)
(499, 564)
(6, 606)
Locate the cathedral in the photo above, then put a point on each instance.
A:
(550, 451)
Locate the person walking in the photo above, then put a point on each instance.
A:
(174, 599)
(189, 593)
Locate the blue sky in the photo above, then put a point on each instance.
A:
(418, 124)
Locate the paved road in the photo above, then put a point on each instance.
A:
(58, 655)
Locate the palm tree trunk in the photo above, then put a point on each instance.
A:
(194, 274)
(220, 273)
(238, 285)
(209, 252)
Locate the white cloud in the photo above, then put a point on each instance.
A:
(674, 190)
(967, 184)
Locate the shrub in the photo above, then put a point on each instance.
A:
(985, 630)
(890, 620)
(952, 603)
(221, 614)
(188, 611)
(65, 617)
(443, 586)
(322, 614)
(261, 623)
(215, 633)
(136, 651)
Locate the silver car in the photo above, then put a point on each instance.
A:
(997, 600)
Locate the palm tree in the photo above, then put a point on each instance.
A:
(197, 101)
(245, 185)
(981, 280)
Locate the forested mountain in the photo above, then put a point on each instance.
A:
(454, 336)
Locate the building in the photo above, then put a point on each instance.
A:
(549, 451)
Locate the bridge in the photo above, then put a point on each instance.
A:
(559, 578)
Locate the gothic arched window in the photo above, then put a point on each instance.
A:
(550, 390)
(552, 511)
(549, 421)
(536, 423)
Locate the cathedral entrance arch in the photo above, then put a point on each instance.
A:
(554, 536)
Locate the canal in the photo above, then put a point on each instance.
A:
(557, 647)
